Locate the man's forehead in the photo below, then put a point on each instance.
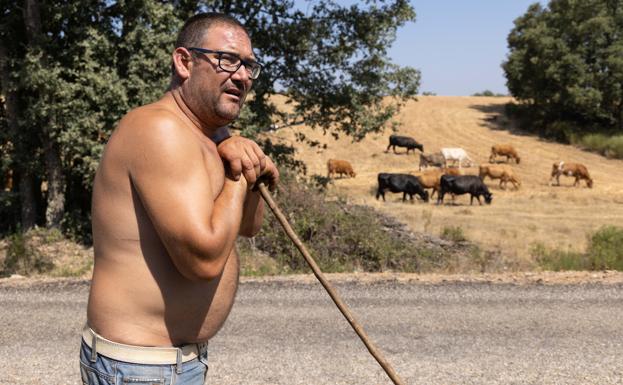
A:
(228, 37)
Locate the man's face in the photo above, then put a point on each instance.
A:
(217, 95)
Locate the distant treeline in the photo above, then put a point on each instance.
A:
(565, 69)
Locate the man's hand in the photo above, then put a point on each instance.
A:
(243, 156)
(270, 175)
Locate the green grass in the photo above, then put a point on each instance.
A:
(72, 271)
(604, 252)
(23, 258)
(453, 233)
(41, 251)
(609, 146)
(554, 259)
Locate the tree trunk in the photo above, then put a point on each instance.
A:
(619, 113)
(53, 164)
(27, 200)
(56, 186)
(32, 19)
(26, 181)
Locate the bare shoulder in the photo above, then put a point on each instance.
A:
(155, 131)
(152, 121)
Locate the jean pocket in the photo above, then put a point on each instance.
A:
(91, 376)
(137, 374)
(143, 380)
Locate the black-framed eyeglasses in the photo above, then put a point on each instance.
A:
(230, 62)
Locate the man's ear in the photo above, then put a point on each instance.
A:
(182, 62)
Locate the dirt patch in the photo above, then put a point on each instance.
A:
(43, 252)
(524, 278)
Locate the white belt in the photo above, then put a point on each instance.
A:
(140, 354)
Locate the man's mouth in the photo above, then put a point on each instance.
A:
(234, 92)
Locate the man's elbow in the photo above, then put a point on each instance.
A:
(206, 268)
(200, 273)
(250, 231)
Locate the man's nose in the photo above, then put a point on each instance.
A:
(241, 74)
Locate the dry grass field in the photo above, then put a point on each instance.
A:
(559, 217)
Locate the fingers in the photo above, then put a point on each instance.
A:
(249, 170)
(260, 156)
(255, 160)
(272, 174)
(235, 168)
(245, 158)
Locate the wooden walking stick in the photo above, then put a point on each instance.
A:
(332, 293)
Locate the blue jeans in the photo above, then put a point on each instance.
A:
(107, 371)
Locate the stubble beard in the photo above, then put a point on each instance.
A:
(229, 113)
(229, 110)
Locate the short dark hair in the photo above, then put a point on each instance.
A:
(194, 29)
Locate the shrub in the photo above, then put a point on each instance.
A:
(488, 93)
(559, 260)
(605, 250)
(340, 236)
(610, 146)
(76, 226)
(45, 251)
(593, 142)
(453, 233)
(9, 211)
(561, 131)
(254, 262)
(23, 258)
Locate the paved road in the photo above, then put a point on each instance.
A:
(291, 333)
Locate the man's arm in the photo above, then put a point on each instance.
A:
(173, 180)
(244, 157)
(252, 215)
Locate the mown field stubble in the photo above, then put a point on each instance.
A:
(557, 216)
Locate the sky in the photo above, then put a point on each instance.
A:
(458, 45)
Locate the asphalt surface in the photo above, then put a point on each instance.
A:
(284, 332)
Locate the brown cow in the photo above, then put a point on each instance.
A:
(340, 167)
(502, 172)
(577, 170)
(430, 178)
(506, 150)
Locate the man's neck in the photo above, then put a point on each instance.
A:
(208, 130)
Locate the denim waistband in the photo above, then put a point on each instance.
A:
(140, 354)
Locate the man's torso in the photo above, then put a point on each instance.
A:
(137, 296)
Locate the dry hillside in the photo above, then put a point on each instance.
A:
(556, 216)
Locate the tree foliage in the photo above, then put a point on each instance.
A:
(566, 65)
(71, 69)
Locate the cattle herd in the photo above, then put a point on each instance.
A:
(442, 172)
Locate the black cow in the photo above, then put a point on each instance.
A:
(464, 184)
(404, 141)
(404, 183)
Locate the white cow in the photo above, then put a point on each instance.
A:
(456, 155)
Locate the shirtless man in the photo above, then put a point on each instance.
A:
(171, 195)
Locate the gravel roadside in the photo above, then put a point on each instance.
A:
(434, 329)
